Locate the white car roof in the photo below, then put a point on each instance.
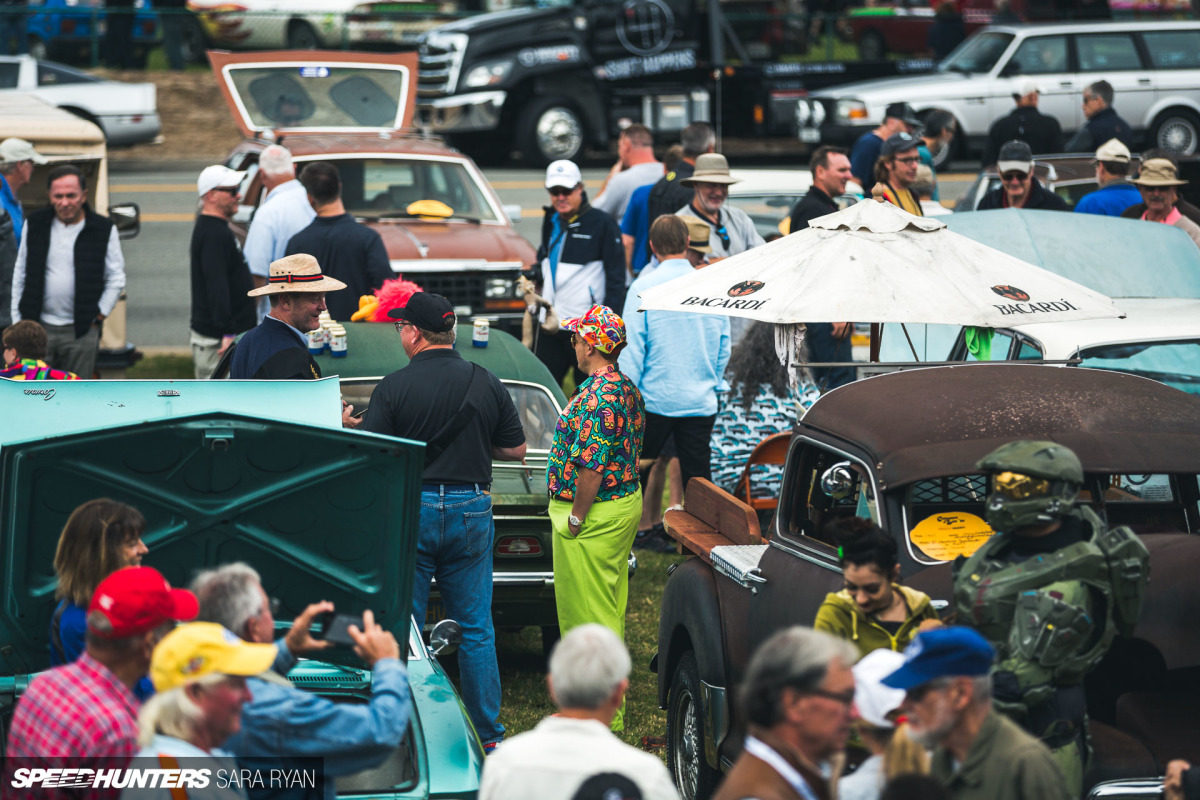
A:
(777, 181)
(1148, 319)
(1125, 26)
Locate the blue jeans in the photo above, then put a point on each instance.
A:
(455, 546)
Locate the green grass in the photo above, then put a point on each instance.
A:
(524, 699)
(166, 366)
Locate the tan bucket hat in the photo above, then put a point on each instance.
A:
(710, 168)
(699, 234)
(1158, 172)
(297, 273)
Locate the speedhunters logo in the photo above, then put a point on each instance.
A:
(154, 775)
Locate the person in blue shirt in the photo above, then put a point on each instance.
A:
(281, 722)
(100, 537)
(635, 224)
(1115, 193)
(676, 360)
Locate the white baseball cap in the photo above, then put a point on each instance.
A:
(13, 150)
(218, 177)
(563, 173)
(1027, 86)
(873, 700)
(1113, 151)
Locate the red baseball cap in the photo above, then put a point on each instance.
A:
(139, 599)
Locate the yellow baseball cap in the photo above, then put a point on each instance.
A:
(203, 648)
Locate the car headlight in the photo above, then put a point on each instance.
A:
(487, 74)
(497, 288)
(851, 111)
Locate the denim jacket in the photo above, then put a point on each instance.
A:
(283, 721)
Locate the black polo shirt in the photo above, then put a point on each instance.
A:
(417, 401)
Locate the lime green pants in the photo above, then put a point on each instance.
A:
(591, 570)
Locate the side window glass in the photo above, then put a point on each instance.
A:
(1001, 346)
(1107, 53)
(1028, 351)
(827, 487)
(1040, 55)
(1173, 49)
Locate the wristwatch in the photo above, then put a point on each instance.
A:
(574, 521)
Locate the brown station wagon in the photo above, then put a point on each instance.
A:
(900, 449)
(355, 110)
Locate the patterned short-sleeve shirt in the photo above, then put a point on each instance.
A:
(601, 430)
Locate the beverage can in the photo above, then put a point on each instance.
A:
(479, 337)
(337, 343)
(316, 341)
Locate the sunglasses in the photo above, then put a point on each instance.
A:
(560, 191)
(400, 326)
(1009, 177)
(227, 189)
(1016, 486)
(724, 236)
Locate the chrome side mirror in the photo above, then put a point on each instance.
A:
(837, 482)
(513, 212)
(127, 217)
(445, 637)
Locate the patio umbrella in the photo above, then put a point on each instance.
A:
(874, 262)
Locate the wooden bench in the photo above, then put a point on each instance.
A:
(713, 518)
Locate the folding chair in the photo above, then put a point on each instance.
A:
(772, 450)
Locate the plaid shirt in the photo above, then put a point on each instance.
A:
(80, 710)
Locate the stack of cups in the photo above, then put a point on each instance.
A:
(337, 342)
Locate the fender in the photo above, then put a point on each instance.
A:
(1176, 99)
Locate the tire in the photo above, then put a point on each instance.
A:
(195, 43)
(301, 36)
(550, 129)
(550, 636)
(1176, 129)
(871, 46)
(695, 779)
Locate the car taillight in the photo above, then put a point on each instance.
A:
(504, 305)
(519, 546)
(68, 26)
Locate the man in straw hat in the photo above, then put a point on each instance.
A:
(1157, 181)
(278, 347)
(732, 229)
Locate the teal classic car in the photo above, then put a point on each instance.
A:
(523, 571)
(320, 512)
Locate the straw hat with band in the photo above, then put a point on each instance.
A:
(710, 168)
(1158, 172)
(297, 273)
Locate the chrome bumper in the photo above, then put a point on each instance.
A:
(464, 113)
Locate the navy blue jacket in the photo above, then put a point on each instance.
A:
(1105, 125)
(273, 350)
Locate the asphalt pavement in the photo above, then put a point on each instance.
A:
(157, 261)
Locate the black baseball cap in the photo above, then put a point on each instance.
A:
(429, 312)
(902, 111)
(899, 143)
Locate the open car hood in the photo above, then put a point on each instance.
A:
(317, 91)
(320, 513)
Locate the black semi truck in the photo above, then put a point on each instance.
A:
(555, 79)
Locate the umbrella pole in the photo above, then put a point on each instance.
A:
(876, 336)
(910, 342)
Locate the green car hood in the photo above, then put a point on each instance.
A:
(321, 513)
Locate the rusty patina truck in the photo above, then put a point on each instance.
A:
(900, 449)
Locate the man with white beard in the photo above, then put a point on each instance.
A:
(979, 754)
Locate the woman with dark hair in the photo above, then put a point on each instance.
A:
(100, 537)
(759, 403)
(873, 611)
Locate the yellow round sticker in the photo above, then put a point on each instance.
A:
(949, 535)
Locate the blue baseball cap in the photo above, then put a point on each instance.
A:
(942, 653)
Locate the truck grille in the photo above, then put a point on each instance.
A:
(440, 56)
(460, 288)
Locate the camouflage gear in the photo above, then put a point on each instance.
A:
(1051, 618)
(1055, 477)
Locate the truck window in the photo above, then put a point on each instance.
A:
(1107, 52)
(978, 54)
(811, 508)
(1039, 55)
(944, 517)
(10, 71)
(1173, 49)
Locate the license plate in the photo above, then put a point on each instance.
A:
(810, 135)
(435, 612)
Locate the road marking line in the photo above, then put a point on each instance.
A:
(152, 187)
(168, 217)
(518, 185)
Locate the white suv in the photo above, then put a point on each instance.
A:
(1154, 69)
